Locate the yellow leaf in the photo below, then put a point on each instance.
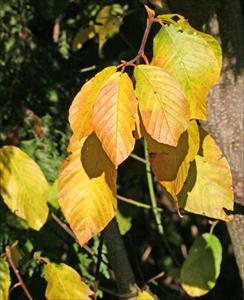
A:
(108, 23)
(87, 188)
(162, 104)
(208, 190)
(192, 57)
(82, 36)
(63, 282)
(171, 166)
(23, 186)
(80, 112)
(5, 280)
(114, 117)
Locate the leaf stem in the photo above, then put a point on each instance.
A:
(151, 190)
(136, 203)
(16, 272)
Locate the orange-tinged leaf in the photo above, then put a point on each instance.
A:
(162, 104)
(80, 112)
(63, 282)
(192, 57)
(87, 188)
(171, 166)
(208, 190)
(23, 186)
(114, 117)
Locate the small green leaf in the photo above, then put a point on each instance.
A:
(63, 282)
(5, 280)
(23, 186)
(202, 265)
(124, 223)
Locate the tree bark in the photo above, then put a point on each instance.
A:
(119, 262)
(224, 20)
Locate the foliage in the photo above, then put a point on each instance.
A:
(46, 48)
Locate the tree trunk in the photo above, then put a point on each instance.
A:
(224, 20)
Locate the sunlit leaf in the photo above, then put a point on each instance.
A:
(202, 265)
(171, 166)
(162, 104)
(82, 36)
(80, 112)
(208, 189)
(108, 23)
(63, 282)
(192, 57)
(124, 223)
(23, 186)
(114, 117)
(87, 188)
(5, 280)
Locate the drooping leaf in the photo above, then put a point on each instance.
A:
(63, 282)
(162, 104)
(23, 186)
(192, 57)
(82, 36)
(5, 280)
(202, 265)
(171, 166)
(80, 112)
(114, 117)
(87, 188)
(208, 189)
(124, 223)
(108, 23)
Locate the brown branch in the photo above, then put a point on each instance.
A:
(16, 272)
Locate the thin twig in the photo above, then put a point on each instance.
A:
(136, 157)
(151, 191)
(16, 272)
(70, 232)
(136, 203)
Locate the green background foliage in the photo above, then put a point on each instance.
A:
(39, 78)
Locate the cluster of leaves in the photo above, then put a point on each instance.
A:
(106, 117)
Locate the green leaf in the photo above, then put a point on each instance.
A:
(23, 186)
(162, 104)
(202, 265)
(208, 189)
(192, 57)
(63, 282)
(5, 280)
(108, 23)
(124, 223)
(82, 36)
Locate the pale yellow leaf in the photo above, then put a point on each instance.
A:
(192, 57)
(114, 117)
(80, 112)
(87, 188)
(162, 104)
(23, 186)
(208, 190)
(64, 283)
